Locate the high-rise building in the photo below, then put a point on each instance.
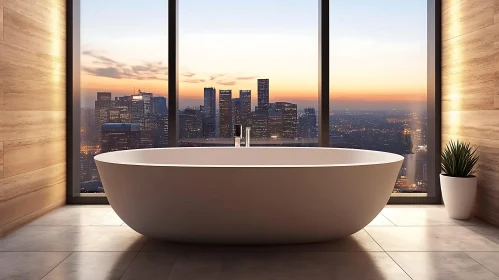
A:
(289, 119)
(225, 106)
(209, 112)
(163, 131)
(147, 98)
(263, 94)
(236, 107)
(189, 122)
(119, 136)
(149, 132)
(137, 109)
(245, 96)
(308, 124)
(114, 115)
(245, 99)
(102, 106)
(123, 105)
(274, 122)
(159, 105)
(258, 123)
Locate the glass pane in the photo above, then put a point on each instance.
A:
(124, 84)
(378, 83)
(249, 63)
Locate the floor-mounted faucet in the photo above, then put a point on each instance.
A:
(237, 135)
(238, 131)
(247, 137)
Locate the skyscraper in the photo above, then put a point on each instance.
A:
(149, 134)
(137, 109)
(263, 94)
(163, 131)
(114, 115)
(245, 99)
(209, 112)
(123, 105)
(102, 106)
(159, 105)
(289, 119)
(274, 122)
(236, 105)
(190, 126)
(258, 123)
(225, 106)
(307, 124)
(119, 136)
(147, 98)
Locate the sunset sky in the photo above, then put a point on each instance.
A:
(378, 48)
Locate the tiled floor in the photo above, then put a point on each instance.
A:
(403, 242)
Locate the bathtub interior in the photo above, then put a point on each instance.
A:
(254, 156)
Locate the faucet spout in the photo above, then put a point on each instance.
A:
(247, 137)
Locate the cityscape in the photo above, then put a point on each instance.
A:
(140, 120)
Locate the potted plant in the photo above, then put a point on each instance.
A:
(458, 181)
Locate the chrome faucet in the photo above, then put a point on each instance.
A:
(238, 131)
(237, 135)
(247, 137)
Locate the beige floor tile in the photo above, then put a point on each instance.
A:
(286, 265)
(380, 221)
(72, 216)
(71, 238)
(150, 266)
(405, 215)
(28, 265)
(110, 219)
(92, 265)
(441, 266)
(490, 260)
(434, 238)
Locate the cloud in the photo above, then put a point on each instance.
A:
(107, 67)
(226, 83)
(194, 81)
(188, 74)
(109, 72)
(246, 78)
(216, 76)
(100, 59)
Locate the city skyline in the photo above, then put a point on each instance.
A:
(141, 121)
(221, 45)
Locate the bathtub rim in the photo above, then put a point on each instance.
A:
(391, 158)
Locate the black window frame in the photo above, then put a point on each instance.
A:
(434, 47)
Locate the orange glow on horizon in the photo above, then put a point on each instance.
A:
(93, 84)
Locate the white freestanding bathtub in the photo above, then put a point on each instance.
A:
(248, 195)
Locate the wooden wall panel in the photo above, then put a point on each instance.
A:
(1, 22)
(1, 160)
(470, 90)
(32, 110)
(26, 74)
(21, 156)
(18, 187)
(466, 16)
(48, 12)
(16, 125)
(22, 31)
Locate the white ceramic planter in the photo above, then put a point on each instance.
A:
(459, 195)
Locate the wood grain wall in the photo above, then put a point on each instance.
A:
(470, 90)
(32, 109)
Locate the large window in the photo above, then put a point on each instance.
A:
(258, 64)
(378, 83)
(251, 63)
(123, 76)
